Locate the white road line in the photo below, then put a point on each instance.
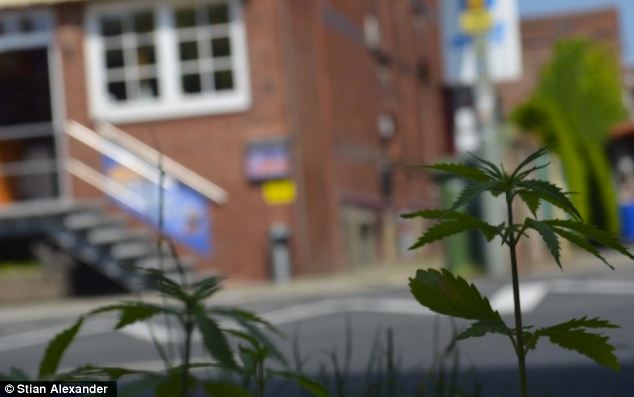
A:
(599, 287)
(532, 294)
(44, 335)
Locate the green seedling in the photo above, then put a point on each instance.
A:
(445, 293)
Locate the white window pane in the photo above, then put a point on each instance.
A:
(217, 14)
(143, 22)
(188, 50)
(223, 80)
(220, 47)
(145, 55)
(114, 59)
(111, 25)
(186, 17)
(191, 83)
(148, 88)
(117, 91)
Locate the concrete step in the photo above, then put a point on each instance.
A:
(110, 235)
(168, 262)
(89, 220)
(131, 250)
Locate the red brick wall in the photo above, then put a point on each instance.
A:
(212, 146)
(344, 87)
(314, 81)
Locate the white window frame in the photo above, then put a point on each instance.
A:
(171, 102)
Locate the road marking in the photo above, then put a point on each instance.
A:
(532, 294)
(44, 335)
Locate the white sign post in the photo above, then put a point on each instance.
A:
(482, 47)
(503, 43)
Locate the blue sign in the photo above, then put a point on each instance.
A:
(464, 4)
(186, 214)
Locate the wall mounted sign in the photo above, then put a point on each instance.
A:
(266, 160)
(279, 192)
(186, 214)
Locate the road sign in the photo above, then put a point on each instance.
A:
(498, 19)
(476, 21)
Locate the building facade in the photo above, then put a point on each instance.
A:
(305, 115)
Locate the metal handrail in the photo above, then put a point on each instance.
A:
(142, 159)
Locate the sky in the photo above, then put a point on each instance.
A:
(530, 8)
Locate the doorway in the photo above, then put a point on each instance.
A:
(28, 159)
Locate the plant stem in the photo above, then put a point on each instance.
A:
(260, 378)
(189, 328)
(521, 354)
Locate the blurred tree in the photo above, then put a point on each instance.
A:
(577, 101)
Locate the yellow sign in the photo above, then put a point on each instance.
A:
(476, 21)
(279, 192)
(472, 4)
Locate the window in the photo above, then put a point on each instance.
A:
(164, 59)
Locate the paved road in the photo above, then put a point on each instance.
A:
(319, 325)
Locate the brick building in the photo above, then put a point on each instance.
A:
(334, 97)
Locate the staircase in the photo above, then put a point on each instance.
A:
(106, 242)
(87, 233)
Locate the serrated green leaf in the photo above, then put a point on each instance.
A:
(551, 193)
(524, 174)
(224, 389)
(574, 335)
(87, 372)
(549, 237)
(592, 232)
(474, 190)
(251, 322)
(56, 349)
(581, 242)
(591, 345)
(206, 288)
(461, 170)
(531, 200)
(481, 328)
(248, 358)
(449, 228)
(493, 170)
(214, 340)
(585, 322)
(161, 283)
(444, 293)
(306, 383)
(131, 312)
(531, 157)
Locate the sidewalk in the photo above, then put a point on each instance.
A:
(234, 292)
(357, 281)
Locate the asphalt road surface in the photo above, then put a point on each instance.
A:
(320, 325)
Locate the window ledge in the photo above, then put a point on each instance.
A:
(152, 111)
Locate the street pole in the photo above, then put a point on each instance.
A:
(491, 150)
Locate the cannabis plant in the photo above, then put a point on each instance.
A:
(445, 293)
(186, 305)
